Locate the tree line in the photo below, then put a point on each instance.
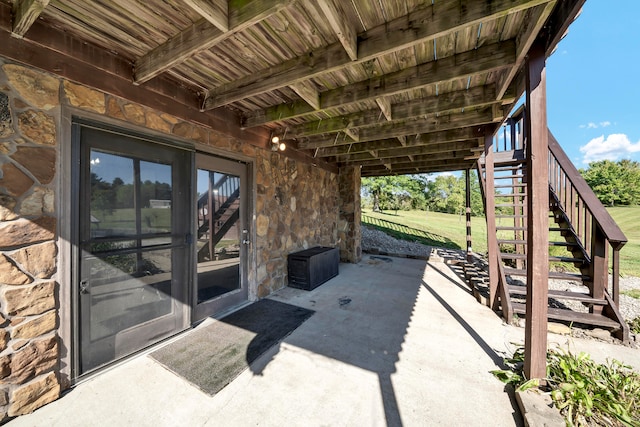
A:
(614, 183)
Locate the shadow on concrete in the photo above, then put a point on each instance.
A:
(403, 232)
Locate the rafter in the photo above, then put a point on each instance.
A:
(306, 91)
(427, 139)
(385, 107)
(477, 96)
(214, 11)
(202, 36)
(25, 13)
(343, 29)
(409, 127)
(482, 60)
(427, 23)
(538, 16)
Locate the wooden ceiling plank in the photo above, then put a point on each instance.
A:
(307, 92)
(214, 11)
(201, 36)
(25, 13)
(412, 127)
(385, 107)
(343, 29)
(478, 96)
(524, 40)
(427, 23)
(481, 60)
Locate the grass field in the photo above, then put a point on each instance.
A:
(448, 230)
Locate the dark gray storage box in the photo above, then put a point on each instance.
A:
(312, 267)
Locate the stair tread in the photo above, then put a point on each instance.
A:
(509, 176)
(552, 274)
(572, 316)
(510, 185)
(502, 228)
(574, 296)
(524, 242)
(507, 255)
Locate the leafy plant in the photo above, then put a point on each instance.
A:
(584, 391)
(634, 325)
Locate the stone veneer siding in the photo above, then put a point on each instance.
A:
(349, 231)
(296, 207)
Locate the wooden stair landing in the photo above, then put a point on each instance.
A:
(572, 316)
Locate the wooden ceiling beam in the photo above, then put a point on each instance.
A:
(477, 96)
(214, 11)
(431, 167)
(385, 107)
(343, 29)
(482, 60)
(428, 23)
(202, 36)
(410, 127)
(532, 26)
(444, 147)
(427, 139)
(404, 160)
(25, 13)
(306, 91)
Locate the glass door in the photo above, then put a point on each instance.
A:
(132, 252)
(220, 235)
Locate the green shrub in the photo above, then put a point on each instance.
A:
(585, 392)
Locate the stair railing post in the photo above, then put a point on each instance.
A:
(599, 264)
(490, 215)
(537, 214)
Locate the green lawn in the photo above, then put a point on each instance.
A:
(449, 230)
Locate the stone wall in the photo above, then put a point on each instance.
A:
(349, 231)
(296, 208)
(29, 347)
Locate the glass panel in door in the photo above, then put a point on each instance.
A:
(129, 282)
(219, 235)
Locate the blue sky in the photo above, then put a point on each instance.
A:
(593, 87)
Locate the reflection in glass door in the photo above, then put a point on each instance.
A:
(132, 248)
(220, 234)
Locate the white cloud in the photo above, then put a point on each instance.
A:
(613, 147)
(593, 125)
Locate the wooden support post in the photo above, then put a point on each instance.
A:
(615, 270)
(490, 215)
(599, 264)
(468, 212)
(535, 340)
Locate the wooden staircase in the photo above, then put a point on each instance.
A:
(218, 211)
(581, 235)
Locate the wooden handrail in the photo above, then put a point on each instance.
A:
(600, 215)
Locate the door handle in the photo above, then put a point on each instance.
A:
(84, 287)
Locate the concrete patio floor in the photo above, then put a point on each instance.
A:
(393, 341)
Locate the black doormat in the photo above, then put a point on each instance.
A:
(215, 355)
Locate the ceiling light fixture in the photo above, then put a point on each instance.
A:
(277, 144)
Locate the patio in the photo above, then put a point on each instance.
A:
(393, 341)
